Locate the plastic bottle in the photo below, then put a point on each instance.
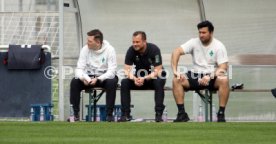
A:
(115, 115)
(214, 116)
(119, 113)
(51, 114)
(32, 114)
(200, 114)
(41, 116)
(71, 116)
(165, 115)
(98, 118)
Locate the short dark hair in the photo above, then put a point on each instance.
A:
(206, 24)
(98, 35)
(143, 34)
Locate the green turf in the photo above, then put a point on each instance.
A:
(130, 133)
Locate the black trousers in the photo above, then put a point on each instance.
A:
(109, 85)
(156, 84)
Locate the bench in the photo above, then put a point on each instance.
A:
(243, 60)
(253, 60)
(205, 95)
(94, 97)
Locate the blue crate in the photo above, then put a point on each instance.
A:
(47, 108)
(102, 109)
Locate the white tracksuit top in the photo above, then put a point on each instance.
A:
(101, 63)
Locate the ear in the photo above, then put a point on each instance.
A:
(97, 41)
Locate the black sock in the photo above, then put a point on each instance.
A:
(221, 110)
(181, 108)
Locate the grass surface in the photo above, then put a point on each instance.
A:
(130, 133)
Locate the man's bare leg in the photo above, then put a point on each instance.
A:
(222, 83)
(179, 93)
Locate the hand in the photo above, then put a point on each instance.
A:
(180, 77)
(85, 82)
(204, 80)
(139, 81)
(93, 81)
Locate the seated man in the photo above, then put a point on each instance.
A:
(207, 53)
(96, 67)
(148, 74)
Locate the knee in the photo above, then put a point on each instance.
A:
(113, 81)
(111, 84)
(75, 82)
(223, 81)
(159, 83)
(125, 83)
(176, 81)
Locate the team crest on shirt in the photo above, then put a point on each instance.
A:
(103, 60)
(211, 53)
(137, 58)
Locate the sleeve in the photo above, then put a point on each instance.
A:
(79, 71)
(111, 66)
(222, 55)
(157, 58)
(188, 46)
(129, 57)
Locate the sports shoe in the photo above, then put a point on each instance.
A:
(76, 118)
(182, 117)
(109, 118)
(221, 117)
(158, 117)
(125, 118)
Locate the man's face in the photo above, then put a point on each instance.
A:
(92, 43)
(204, 35)
(138, 43)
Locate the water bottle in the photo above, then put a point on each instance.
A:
(71, 116)
(165, 115)
(214, 116)
(200, 114)
(41, 116)
(32, 114)
(119, 113)
(51, 114)
(115, 115)
(98, 118)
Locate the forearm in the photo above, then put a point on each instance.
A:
(128, 72)
(154, 73)
(79, 73)
(174, 61)
(221, 70)
(110, 74)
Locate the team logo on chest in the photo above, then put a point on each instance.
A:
(137, 58)
(211, 53)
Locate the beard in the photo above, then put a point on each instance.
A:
(205, 41)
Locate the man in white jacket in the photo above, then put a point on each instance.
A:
(96, 67)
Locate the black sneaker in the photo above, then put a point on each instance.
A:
(125, 118)
(182, 117)
(158, 117)
(109, 118)
(221, 117)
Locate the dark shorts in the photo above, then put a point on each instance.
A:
(193, 81)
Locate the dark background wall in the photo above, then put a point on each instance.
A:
(21, 88)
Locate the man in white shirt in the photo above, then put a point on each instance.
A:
(209, 71)
(96, 67)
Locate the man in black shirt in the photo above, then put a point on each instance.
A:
(148, 74)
